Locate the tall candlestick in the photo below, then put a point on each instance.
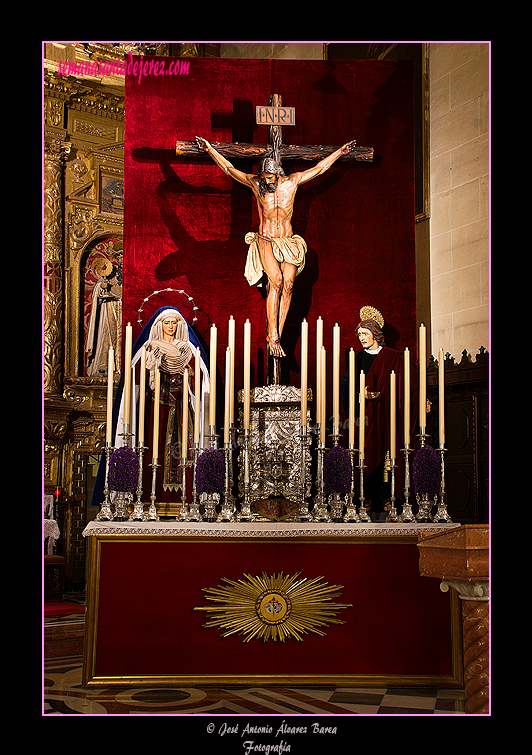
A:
(212, 365)
(406, 397)
(231, 344)
(323, 401)
(227, 416)
(441, 396)
(247, 372)
(351, 397)
(127, 375)
(393, 400)
(142, 396)
(197, 396)
(110, 373)
(156, 401)
(422, 376)
(304, 371)
(184, 430)
(336, 379)
(319, 344)
(362, 415)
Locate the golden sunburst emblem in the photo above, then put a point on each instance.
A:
(273, 607)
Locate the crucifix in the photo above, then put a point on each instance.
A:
(274, 250)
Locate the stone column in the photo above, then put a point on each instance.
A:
(460, 559)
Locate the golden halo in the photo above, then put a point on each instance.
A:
(370, 313)
(273, 607)
(104, 267)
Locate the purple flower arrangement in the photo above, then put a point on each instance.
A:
(337, 471)
(210, 471)
(426, 471)
(123, 470)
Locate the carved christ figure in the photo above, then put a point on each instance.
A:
(274, 249)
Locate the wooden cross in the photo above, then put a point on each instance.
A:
(285, 151)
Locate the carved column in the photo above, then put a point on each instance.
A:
(460, 559)
(54, 156)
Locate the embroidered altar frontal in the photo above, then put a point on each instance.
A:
(199, 603)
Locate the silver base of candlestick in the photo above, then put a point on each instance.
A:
(304, 514)
(227, 512)
(105, 513)
(152, 515)
(336, 502)
(407, 514)
(442, 514)
(138, 515)
(362, 513)
(320, 512)
(351, 514)
(392, 514)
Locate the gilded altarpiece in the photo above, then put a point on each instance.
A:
(83, 221)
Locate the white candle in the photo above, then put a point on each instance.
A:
(319, 344)
(422, 376)
(212, 365)
(247, 372)
(127, 375)
(110, 373)
(156, 400)
(231, 344)
(351, 397)
(304, 371)
(362, 414)
(184, 429)
(407, 397)
(142, 396)
(197, 396)
(227, 414)
(336, 379)
(441, 390)
(323, 401)
(393, 420)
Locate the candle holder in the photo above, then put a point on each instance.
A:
(304, 514)
(105, 513)
(213, 443)
(185, 513)
(152, 511)
(245, 514)
(407, 515)
(194, 513)
(442, 514)
(362, 513)
(392, 514)
(138, 515)
(423, 436)
(320, 511)
(126, 435)
(351, 514)
(227, 512)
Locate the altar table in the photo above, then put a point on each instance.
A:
(149, 584)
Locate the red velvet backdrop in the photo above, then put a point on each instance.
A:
(185, 221)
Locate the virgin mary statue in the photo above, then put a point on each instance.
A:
(171, 345)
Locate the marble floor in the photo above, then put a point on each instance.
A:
(64, 694)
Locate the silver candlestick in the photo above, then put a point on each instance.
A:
(227, 512)
(392, 514)
(138, 515)
(320, 511)
(304, 514)
(152, 511)
(442, 514)
(351, 514)
(244, 514)
(184, 514)
(194, 513)
(362, 513)
(105, 513)
(407, 515)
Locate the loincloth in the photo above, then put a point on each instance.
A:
(285, 249)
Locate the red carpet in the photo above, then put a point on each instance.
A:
(56, 608)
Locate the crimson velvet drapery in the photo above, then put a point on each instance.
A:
(185, 220)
